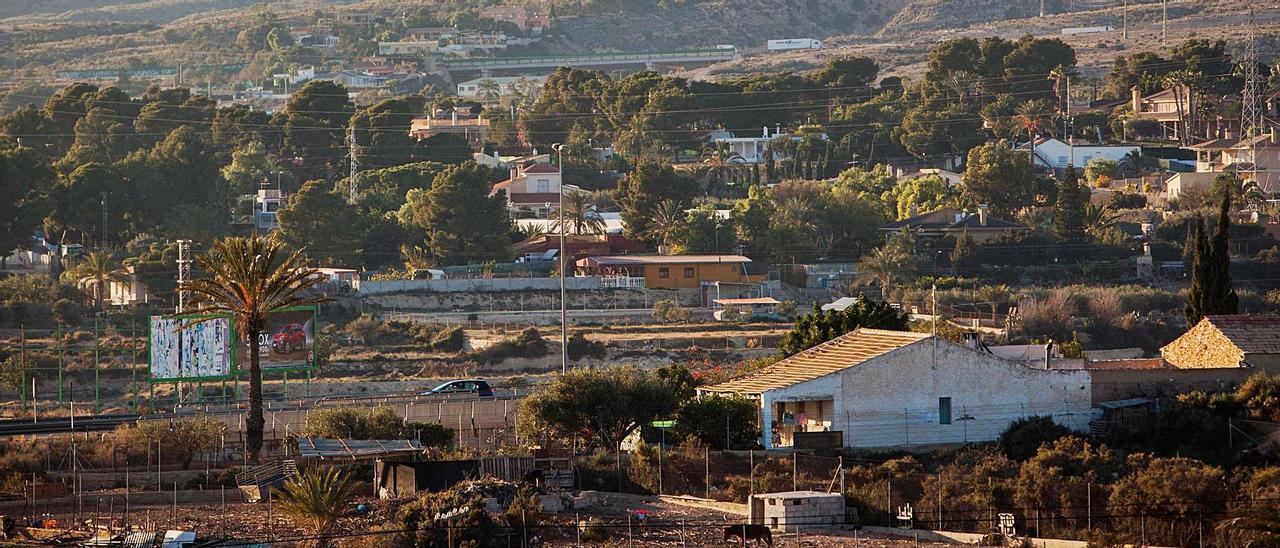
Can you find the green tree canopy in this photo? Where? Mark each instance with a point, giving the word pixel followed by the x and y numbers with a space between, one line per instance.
pixel 461 222
pixel 1000 177
pixel 319 220
pixel 821 326
pixel 602 405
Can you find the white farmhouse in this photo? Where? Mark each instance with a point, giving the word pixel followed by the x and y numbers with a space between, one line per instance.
pixel 878 389
pixel 1056 154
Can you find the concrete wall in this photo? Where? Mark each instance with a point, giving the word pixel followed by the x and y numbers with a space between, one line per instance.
pixel 893 400
pixel 478 284
pixel 792 513
pixel 1121 384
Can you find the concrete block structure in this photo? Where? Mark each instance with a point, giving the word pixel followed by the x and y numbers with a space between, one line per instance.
pixel 795 511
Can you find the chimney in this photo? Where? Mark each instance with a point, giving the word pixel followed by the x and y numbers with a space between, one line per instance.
pixel 515 172
pixel 982 214
pixel 1272 133
pixel 777 130
pixel 766 132
pixel 1048 355
pixel 454 116
pixel 1136 99
pixel 971 340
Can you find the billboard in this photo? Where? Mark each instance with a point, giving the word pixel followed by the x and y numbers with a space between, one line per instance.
pixel 182 348
pixel 287 343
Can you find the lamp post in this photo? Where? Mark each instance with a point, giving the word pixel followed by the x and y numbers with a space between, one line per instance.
pixel 564 324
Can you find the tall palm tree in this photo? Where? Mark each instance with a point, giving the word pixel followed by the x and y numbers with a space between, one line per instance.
pixel 721 162
pixel 316 499
pixel 97 270
pixel 1033 115
pixel 580 216
pixel 666 222
pixel 1254 525
pixel 884 265
pixel 248 279
pixel 1098 218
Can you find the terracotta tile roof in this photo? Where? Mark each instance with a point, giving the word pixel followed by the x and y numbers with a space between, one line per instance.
pixel 835 355
pixel 541 168
pixel 1251 334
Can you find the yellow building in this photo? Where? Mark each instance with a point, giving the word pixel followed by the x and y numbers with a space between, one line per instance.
pixel 673 271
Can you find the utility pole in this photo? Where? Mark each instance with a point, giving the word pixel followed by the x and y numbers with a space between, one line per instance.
pixel 1164 20
pixel 564 310
pixel 1125 25
pixel 1250 110
pixel 1042 9
pixel 355 167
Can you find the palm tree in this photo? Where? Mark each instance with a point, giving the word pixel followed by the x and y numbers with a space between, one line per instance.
pixel 721 162
pixel 488 90
pixel 666 222
pixel 580 216
pixel 249 278
pixel 1033 115
pixel 1256 525
pixel 98 270
pixel 316 498
pixel 884 266
pixel 1098 218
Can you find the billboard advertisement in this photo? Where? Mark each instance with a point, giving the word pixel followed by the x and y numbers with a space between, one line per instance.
pixel 287 343
pixel 182 348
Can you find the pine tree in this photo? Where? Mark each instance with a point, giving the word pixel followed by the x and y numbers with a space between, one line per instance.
pixel 1211 290
pixel 1068 213
pixel 963 256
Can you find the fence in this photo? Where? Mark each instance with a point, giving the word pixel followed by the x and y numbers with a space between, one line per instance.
pixel 576 283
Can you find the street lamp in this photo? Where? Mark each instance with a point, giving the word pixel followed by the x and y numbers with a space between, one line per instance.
pixel 564 324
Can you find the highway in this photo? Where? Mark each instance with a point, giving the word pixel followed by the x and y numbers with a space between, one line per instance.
pixel 545 62
pixel 475 420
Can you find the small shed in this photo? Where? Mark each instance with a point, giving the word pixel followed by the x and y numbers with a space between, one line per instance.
pixel 795 511
pixel 397 478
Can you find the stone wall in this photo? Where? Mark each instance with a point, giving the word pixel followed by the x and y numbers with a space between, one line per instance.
pixel 1202 346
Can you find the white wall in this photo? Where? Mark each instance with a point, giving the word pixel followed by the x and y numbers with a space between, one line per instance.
pixel 367 287
pixel 892 400
pixel 1059 153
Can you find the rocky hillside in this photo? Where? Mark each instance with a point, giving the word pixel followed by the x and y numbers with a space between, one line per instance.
pixel 744 23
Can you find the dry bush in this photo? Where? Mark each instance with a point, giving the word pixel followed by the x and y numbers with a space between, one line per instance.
pixel 1048 317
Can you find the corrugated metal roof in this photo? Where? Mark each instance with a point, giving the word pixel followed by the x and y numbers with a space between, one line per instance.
pixel 1252 334
pixel 323 448
pixel 751 300
pixel 835 355
pixel 637 260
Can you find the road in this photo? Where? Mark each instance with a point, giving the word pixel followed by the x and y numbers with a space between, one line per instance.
pixel 477 422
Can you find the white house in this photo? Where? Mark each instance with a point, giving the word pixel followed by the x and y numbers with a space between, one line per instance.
pixel 882 389
pixel 352 79
pixel 1057 154
pixel 751 149
pixel 505 84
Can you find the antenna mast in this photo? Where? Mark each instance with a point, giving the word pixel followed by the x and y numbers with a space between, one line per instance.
pixel 184 273
pixel 355 167
pixel 1250 110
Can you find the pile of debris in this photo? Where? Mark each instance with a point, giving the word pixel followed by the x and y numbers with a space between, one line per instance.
pixel 497 493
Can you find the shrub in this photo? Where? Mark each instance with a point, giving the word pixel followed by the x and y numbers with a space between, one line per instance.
pixel 449 340
pixel 1048 317
pixel 67 312
pixel 669 311
pixel 580 347
pixel 528 344
pixel 712 418
pixel 378 423
pixel 1023 437
pixel 417 525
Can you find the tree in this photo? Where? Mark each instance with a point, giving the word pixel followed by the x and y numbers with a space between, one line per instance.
pixel 720 422
pixel 249 168
pixel 1032 116
pixel 1211 291
pixel 320 220
pixel 998 176
pixel 1068 211
pixel 883 266
pixel 666 224
pixel 380 134
pixel 643 190
pixel 924 194
pixel 314 122
pixel 462 222
pixel 446 148
pixel 603 405
pixel 98 270
pixel 248 278
pixel 1057 480
pixel 821 326
pixel 963 256
pixel 580 216
pixel 1177 490
pixel 1023 437
pixel 316 498
pixel 25 183
pixel 705 231
pixel 1099 168
pixel 488 90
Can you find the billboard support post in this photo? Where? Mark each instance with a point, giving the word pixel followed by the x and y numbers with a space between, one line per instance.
pixel 62 346
pixel 97 356
pixel 284 384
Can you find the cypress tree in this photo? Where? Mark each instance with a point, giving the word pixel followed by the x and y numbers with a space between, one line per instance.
pixel 963 255
pixel 1068 211
pixel 1211 290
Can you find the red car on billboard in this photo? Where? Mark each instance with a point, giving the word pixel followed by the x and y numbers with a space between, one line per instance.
pixel 292 337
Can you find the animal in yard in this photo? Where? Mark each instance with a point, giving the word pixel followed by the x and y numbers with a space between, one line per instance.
pixel 534 478
pixel 748 532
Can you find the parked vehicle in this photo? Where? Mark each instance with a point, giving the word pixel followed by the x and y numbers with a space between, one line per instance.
pixel 289 339
pixel 475 387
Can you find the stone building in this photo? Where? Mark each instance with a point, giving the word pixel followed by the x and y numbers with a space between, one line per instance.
pixel 1226 342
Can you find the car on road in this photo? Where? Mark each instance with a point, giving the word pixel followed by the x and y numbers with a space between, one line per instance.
pixel 475 387
pixel 289 339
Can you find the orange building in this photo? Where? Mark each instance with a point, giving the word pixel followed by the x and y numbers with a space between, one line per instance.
pixel 673 271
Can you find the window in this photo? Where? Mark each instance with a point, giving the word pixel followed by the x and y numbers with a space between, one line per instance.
pixel 688 271
pixel 944 410
pixel 664 272
pixel 544 185
pixel 1062 160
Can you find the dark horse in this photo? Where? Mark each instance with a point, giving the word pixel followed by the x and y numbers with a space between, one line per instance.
pixel 747 532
